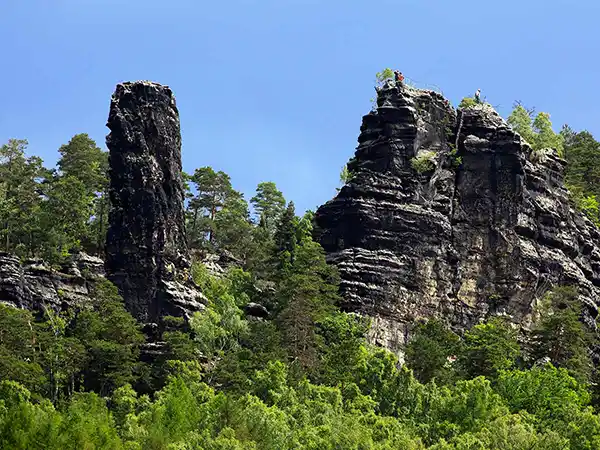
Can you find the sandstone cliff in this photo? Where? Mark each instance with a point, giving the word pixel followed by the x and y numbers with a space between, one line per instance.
pixel 452 214
pixel 146 252
pixel 34 285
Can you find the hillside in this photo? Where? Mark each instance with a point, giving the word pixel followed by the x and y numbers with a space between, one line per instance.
pixel 444 299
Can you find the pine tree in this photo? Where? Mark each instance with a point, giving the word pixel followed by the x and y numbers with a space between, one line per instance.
pixel 488 348
pixel 83 159
pixel 268 203
pixel 213 191
pixel 430 350
pixel 286 239
pixel 233 229
pixel 64 216
pixel 20 198
pixel 307 294
pixel 561 336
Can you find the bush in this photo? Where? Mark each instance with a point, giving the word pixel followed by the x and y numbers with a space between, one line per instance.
pixel 423 163
pixel 467 102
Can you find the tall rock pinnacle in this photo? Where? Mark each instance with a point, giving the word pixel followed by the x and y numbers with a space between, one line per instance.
pixel 452 215
pixel 146 251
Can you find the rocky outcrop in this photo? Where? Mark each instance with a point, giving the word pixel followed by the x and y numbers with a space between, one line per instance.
pixel 34 285
pixel 146 252
pixel 452 214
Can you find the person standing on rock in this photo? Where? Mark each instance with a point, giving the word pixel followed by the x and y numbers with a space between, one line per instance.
pixel 398 77
pixel 478 96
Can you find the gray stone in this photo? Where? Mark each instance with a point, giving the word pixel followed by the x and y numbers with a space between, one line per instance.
pixel 34 285
pixel 146 251
pixel 487 236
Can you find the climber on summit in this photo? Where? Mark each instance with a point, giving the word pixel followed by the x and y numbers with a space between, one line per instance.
pixel 478 96
pixel 398 77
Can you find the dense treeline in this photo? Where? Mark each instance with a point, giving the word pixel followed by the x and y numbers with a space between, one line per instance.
pixel 304 378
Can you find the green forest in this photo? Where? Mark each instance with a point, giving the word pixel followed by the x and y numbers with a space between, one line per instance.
pixel 306 378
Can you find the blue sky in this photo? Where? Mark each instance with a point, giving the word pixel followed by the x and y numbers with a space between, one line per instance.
pixel 274 90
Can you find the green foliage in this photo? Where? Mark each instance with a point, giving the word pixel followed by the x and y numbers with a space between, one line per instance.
pixel 20 201
pixel 520 120
pixel 112 339
pixel 545 137
pixel 587 204
pixel 268 204
pixel 536 131
pixel 64 216
pixel 384 75
pixel 582 176
pixel 343 352
pixel 431 351
pixel 467 102
pixel 305 377
pixel 81 158
pixel 456 160
pixel 219 327
pixel 488 348
pixel 424 162
pixel 561 336
pixel 346 175
pixel 213 191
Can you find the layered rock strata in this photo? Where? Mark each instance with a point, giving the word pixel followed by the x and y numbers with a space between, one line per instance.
pixel 146 252
pixel 451 214
pixel 34 285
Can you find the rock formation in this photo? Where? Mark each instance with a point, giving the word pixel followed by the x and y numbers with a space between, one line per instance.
pixel 35 285
pixel 146 252
pixel 452 214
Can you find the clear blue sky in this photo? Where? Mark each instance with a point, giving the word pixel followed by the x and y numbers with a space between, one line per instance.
pixel 274 90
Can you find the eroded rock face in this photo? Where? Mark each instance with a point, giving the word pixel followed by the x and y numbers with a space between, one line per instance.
pixel 34 285
pixel 484 226
pixel 147 256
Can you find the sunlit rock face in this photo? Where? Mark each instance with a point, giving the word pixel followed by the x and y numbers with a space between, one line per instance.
pixel 451 214
pixel 35 285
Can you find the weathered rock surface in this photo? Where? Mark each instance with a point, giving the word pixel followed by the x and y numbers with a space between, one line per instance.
pixel 486 227
pixel 34 285
pixel 147 256
pixel 256 310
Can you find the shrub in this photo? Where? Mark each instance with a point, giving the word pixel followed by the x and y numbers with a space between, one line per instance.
pixel 424 162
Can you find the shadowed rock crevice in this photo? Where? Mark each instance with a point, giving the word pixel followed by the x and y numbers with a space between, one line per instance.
pixel 146 251
pixel 452 216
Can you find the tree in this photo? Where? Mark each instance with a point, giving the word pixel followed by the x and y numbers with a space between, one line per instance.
pixel 582 151
pixel 537 132
pixel 213 191
pixel 383 76
pixel 64 216
pixel 220 326
pixel 112 339
pixel 232 227
pixel 488 348
pixel 83 159
pixel 304 296
pixel 520 120
pixel 268 203
pixel 285 238
pixel 430 351
pixel 561 336
pixel 20 358
pixel 19 198
pixel 545 136
pixel 343 337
